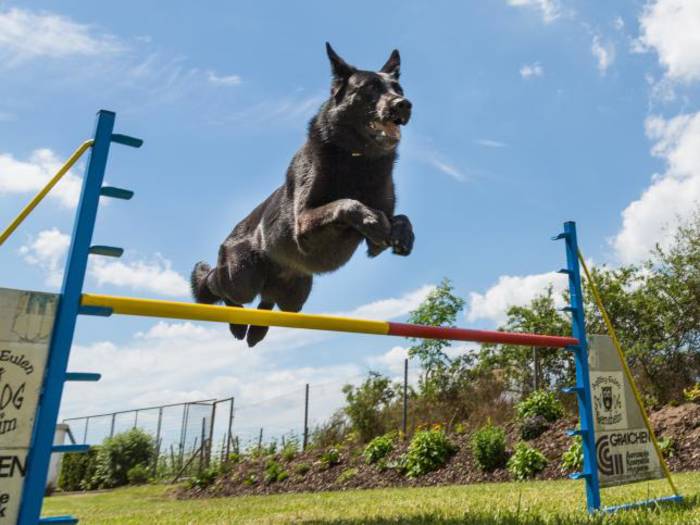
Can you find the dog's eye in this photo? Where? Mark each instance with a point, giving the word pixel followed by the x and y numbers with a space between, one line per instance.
pixel 396 87
pixel 375 85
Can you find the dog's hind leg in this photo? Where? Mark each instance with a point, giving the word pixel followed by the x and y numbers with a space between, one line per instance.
pixel 237 330
pixel 296 292
pixel 257 333
pixel 238 277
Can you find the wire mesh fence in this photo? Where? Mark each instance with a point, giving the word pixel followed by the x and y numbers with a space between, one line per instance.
pixel 192 435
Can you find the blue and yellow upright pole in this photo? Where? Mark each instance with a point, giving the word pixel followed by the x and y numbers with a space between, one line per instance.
pixel 583 384
pixel 64 326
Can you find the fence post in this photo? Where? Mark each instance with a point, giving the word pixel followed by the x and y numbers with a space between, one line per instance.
pixel 404 421
pixel 111 427
pixel 183 432
pixel 211 432
pixel 229 437
pixel 306 419
pixel 260 439
pixel 158 440
pixel 203 445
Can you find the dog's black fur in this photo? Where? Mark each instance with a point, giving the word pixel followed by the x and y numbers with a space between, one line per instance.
pixel 338 192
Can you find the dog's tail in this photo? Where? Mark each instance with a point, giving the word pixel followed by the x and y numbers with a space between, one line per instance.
pixel 198 282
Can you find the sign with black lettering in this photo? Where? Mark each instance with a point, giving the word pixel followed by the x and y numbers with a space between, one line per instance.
pixel 624 449
pixel 26 322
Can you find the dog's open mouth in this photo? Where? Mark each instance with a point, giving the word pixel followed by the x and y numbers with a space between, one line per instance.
pixel 385 130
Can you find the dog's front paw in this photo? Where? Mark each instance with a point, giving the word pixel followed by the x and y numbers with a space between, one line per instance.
pixel 375 249
pixel 376 228
pixel 401 238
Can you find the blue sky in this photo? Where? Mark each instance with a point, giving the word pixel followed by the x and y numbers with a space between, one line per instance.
pixel 527 113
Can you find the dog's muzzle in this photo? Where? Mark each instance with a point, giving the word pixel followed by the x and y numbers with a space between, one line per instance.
pixel 400 110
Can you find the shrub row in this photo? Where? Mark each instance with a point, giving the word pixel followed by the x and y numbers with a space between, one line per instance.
pixel 120 460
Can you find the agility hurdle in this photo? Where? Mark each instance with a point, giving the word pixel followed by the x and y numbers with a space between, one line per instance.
pixel 74 302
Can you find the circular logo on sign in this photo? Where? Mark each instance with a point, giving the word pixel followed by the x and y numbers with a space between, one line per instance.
pixel 607 399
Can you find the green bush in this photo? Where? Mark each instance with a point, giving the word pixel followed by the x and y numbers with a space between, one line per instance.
pixel 302 469
pixel 330 458
pixel 572 459
pixel 119 454
pixel 290 449
pixel 488 445
pixel 263 450
pixel 347 475
pixel 540 403
pixel 203 479
pixel 78 470
pixel 692 394
pixel 365 405
pixel 138 475
pixel 428 451
pixel 533 427
pixel 526 462
pixel 274 472
pixel 379 448
pixel 667 446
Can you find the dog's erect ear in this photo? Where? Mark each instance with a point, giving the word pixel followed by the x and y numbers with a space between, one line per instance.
pixel 392 65
pixel 341 69
pixel 341 72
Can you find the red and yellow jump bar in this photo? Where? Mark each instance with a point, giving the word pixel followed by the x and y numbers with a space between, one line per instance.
pixel 228 314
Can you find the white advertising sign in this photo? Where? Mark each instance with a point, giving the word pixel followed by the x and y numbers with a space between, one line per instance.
pixel 625 452
pixel 26 321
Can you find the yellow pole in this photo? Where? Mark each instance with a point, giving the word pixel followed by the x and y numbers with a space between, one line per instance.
pixel 39 196
pixel 628 373
pixel 229 314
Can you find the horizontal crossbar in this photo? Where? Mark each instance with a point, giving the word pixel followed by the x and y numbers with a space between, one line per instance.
pixel 230 314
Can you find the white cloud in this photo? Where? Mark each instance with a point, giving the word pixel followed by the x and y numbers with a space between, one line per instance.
pixel 549 9
pixel 155 276
pixel 531 70
pixel 392 360
pixel 182 361
pixel 26 35
pixel 488 143
pixel 619 23
pixel 604 52
pixel 448 169
pixel 670 27
pixel 512 291
pixel 392 307
pixel 291 108
pixel 671 196
pixel 223 80
pixel 48 252
pixel 19 177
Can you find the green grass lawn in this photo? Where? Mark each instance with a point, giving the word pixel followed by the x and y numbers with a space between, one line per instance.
pixel 542 502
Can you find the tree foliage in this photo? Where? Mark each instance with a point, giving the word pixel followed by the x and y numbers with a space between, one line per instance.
pixel 440 308
pixel 366 404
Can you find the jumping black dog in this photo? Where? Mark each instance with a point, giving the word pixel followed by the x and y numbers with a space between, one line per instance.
pixel 338 192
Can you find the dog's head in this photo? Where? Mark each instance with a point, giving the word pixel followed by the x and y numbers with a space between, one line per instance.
pixel 369 107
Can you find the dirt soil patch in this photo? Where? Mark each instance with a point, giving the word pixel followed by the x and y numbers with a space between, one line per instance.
pixel 680 423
